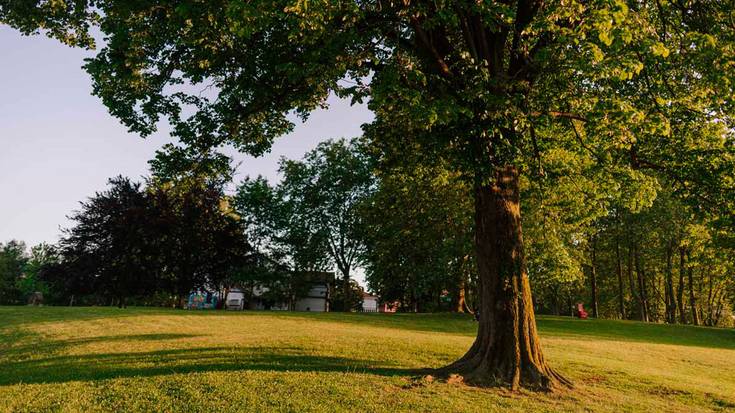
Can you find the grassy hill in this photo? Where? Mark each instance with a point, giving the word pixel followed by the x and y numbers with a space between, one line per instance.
pixel 105 359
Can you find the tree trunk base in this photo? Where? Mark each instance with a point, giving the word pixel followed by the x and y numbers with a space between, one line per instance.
pixel 481 370
pixel 507 350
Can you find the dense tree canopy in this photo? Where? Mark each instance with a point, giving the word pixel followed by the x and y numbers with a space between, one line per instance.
pixel 133 241
pixel 419 235
pixel 311 218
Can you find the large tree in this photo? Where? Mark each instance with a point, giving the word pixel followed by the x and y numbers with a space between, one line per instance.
pixel 475 80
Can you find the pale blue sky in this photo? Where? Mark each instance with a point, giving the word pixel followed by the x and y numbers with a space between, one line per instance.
pixel 58 144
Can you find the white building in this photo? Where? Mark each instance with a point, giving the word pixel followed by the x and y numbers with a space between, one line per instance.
pixel 316 299
pixel 369 303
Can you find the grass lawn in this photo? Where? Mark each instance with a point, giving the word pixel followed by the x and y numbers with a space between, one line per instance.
pixel 138 359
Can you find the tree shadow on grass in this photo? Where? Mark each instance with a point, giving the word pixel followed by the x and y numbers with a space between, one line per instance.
pixel 65 368
pixel 36 345
pixel 447 323
pixel 549 326
pixel 12 317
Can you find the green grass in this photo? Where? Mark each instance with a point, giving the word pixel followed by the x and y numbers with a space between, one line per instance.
pixel 106 359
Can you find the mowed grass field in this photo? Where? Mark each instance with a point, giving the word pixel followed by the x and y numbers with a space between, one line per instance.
pixel 139 359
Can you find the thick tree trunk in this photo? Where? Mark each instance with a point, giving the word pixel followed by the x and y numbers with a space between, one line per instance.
pixel 619 269
pixel 507 349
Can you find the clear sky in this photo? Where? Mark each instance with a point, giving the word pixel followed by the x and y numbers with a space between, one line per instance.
pixel 58 144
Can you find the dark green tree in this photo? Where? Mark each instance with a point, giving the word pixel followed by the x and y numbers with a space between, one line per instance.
pixel 40 255
pixel 109 244
pixel 419 236
pixel 13 260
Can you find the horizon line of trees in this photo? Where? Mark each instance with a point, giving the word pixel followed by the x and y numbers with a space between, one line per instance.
pixel 627 247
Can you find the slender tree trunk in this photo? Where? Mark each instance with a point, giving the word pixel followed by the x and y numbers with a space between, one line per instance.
pixel 507 348
pixel 346 289
pixel 636 295
pixel 593 277
pixel 670 300
pixel 619 269
pixel 460 302
pixel 680 288
pixel 692 298
pixel 631 281
pixel 718 311
pixel 642 293
pixel 710 300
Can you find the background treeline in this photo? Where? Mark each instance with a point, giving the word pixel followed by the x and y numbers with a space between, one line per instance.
pixel 132 243
pixel 627 244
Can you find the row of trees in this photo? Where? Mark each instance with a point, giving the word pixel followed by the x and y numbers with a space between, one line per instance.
pixel 20 270
pixel 154 243
pixel 631 247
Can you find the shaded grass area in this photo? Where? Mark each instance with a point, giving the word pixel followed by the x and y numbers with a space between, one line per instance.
pixel 632 331
pixel 143 359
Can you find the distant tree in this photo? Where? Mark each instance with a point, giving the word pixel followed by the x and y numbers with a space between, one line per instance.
pixel 349 298
pixel 277 226
pixel 289 247
pixel 41 255
pixel 171 236
pixel 201 238
pixel 324 190
pixel 419 236
pixel 12 263
pixel 110 244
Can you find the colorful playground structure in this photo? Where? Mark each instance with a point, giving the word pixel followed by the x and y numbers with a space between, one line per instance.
pixel 199 300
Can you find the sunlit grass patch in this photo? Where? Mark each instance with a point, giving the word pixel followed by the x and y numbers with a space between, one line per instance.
pixel 139 359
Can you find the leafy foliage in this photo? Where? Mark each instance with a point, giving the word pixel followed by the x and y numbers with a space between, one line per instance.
pixel 310 221
pixel 131 241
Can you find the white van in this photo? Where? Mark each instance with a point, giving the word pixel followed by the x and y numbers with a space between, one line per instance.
pixel 235 300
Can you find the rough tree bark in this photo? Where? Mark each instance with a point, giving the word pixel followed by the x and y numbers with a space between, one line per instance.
pixel 507 348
